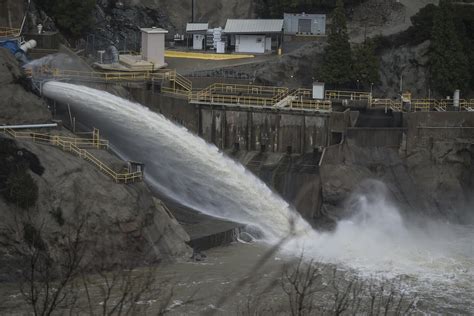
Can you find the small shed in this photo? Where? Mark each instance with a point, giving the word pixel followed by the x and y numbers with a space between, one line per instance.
pixel 318 91
pixel 305 24
pixel 153 46
pixel 254 36
pixel 197 31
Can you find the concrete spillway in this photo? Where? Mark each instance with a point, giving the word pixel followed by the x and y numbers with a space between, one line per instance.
pixel 187 169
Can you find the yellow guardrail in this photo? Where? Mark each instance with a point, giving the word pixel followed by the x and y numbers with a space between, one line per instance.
pixel 305 93
pixel 9 32
pixel 468 105
pixel 205 56
pixel 348 95
pixel 248 89
pixel 308 104
pixel 386 103
pixel 422 105
pixel 89 75
pixel 73 144
pixel 233 99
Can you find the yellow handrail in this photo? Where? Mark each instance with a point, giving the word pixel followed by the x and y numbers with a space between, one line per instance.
pixel 321 105
pixel 71 144
pixel 9 32
pixel 351 95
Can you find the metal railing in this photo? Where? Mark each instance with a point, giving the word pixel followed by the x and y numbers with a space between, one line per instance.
pixel 347 95
pixel 248 100
pixel 73 144
pixel 9 32
pixel 55 73
pixel 310 104
pixel 387 104
pixel 247 89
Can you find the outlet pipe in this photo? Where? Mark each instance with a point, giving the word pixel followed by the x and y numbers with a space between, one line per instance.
pixel 28 45
pixel 29 126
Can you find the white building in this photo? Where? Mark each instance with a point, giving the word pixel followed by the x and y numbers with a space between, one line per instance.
pixel 153 46
pixel 198 33
pixel 254 36
pixel 305 24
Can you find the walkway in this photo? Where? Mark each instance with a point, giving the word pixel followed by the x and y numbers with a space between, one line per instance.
pixel 171 82
pixel 76 146
pixel 205 56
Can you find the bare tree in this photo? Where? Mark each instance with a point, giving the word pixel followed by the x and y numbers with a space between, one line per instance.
pixel 300 282
pixel 125 289
pixel 308 292
pixel 46 280
pixel 74 277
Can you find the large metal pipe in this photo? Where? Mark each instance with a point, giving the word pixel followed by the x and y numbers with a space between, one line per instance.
pixel 29 126
pixel 28 45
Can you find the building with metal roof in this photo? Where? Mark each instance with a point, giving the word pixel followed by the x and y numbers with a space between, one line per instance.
pixel 253 26
pixel 254 36
pixel 198 33
pixel 197 27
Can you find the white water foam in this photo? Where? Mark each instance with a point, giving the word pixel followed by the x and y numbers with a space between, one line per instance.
pixel 186 168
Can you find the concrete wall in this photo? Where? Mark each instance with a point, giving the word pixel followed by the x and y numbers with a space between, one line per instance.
pixel 251 129
pixel 375 137
pixel 425 128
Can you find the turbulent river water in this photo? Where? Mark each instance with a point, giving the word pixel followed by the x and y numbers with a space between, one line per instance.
pixel 435 258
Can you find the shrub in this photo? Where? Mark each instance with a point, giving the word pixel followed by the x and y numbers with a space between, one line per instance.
pixel 21 189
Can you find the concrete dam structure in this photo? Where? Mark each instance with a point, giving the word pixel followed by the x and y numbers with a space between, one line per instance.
pixel 374 238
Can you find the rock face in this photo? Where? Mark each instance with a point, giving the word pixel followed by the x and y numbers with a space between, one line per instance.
pixel 18 106
pixel 118 22
pixel 124 218
pixel 408 64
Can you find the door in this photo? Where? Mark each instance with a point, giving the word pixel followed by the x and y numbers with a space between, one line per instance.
pixel 250 44
pixel 304 26
pixel 268 44
pixel 198 40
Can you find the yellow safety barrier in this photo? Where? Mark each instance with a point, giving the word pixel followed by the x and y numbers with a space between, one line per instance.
pixel 73 144
pixel 387 104
pixel 233 99
pixel 422 105
pixel 307 104
pixel 248 89
pixel 9 32
pixel 347 95
pixel 204 56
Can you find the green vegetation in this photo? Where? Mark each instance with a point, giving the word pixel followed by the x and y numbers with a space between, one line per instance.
pixel 21 189
pixel 72 17
pixel 17 186
pixel 449 65
pixel 450 28
pixel 366 64
pixel 337 67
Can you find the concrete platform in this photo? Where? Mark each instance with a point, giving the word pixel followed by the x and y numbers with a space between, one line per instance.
pixel 205 231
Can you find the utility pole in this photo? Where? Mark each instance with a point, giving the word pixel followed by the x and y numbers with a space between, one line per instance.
pixel 193 9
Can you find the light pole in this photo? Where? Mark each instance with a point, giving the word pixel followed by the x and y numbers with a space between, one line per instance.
pixel 371 88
